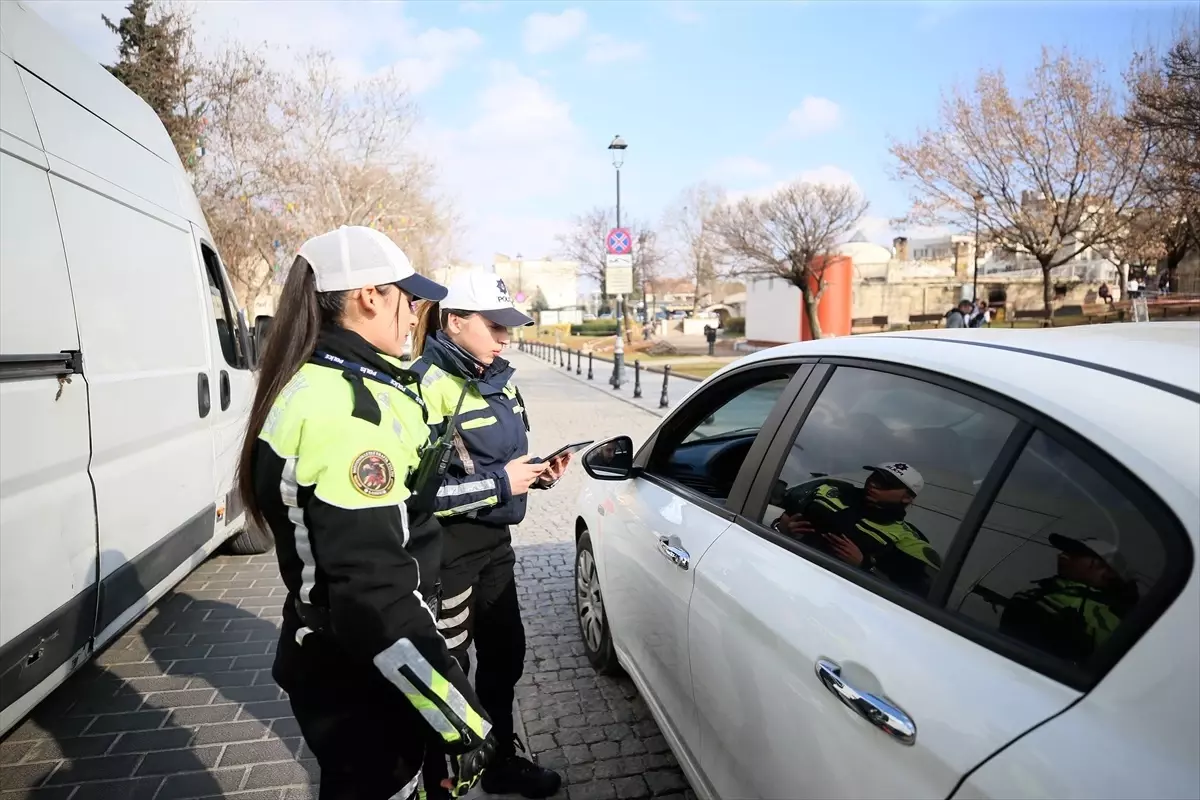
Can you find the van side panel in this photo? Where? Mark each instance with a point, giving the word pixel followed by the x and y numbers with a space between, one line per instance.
pixel 103 151
pixel 143 338
pixel 38 47
pixel 47 513
pixel 16 117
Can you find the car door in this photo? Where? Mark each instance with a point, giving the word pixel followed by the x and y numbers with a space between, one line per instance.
pixel 665 520
pixel 815 677
pixel 231 380
pixel 47 510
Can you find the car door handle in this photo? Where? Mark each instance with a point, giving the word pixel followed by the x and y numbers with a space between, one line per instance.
pixel 674 553
pixel 203 397
pixel 875 710
pixel 226 393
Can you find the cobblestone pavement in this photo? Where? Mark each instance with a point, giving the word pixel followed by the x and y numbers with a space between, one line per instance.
pixel 183 705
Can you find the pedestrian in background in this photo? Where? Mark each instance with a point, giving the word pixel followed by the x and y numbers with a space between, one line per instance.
pixel 336 433
pixel 960 315
pixel 458 345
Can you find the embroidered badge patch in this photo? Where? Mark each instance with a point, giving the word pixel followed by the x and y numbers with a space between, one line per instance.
pixel 373 474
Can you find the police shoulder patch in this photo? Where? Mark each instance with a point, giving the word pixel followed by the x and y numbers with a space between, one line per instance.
pixel 373 474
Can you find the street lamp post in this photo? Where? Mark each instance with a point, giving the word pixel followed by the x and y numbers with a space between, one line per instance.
pixel 975 272
pixel 617 148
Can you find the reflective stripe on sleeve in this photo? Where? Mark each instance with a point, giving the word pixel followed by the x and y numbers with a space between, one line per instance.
pixel 437 700
pixel 463 509
pixel 289 490
pixel 470 487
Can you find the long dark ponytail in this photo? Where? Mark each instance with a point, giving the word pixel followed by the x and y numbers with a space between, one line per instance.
pixel 431 319
pixel 429 322
pixel 301 312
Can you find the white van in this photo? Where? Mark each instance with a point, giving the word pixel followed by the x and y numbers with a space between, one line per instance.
pixel 125 366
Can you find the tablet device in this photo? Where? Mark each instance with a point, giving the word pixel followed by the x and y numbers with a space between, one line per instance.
pixel 571 448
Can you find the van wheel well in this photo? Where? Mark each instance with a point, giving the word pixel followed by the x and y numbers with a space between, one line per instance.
pixel 580 528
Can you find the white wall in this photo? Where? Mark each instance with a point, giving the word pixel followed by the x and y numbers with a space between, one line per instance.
pixel 772 311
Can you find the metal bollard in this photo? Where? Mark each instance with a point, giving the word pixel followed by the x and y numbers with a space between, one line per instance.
pixel 662 401
pixel 637 378
pixel 557 356
pixel 568 362
pixel 589 366
pixel 579 361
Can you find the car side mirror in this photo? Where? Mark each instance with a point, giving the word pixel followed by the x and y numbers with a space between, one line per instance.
pixel 611 460
pixel 262 327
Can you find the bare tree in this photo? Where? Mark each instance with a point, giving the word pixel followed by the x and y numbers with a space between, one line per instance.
pixel 293 155
pixel 694 238
pixel 1166 108
pixel 585 243
pixel 790 235
pixel 1050 174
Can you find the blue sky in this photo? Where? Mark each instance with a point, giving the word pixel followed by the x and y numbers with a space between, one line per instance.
pixel 519 99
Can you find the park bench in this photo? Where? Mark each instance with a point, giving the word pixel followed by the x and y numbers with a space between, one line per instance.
pixel 924 320
pixel 878 322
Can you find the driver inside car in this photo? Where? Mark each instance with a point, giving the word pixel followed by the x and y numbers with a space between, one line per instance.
pixel 865 527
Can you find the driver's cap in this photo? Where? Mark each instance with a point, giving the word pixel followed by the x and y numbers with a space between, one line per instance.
pixel 353 257
pixel 902 472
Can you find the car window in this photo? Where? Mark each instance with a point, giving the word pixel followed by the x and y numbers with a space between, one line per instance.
pixel 882 471
pixel 1062 556
pixel 715 430
pixel 222 309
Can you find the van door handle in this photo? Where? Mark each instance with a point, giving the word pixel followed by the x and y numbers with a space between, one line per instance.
pixel 669 547
pixel 203 394
pixel 874 709
pixel 226 394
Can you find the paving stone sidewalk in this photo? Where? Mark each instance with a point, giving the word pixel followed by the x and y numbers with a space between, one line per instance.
pixel 183 705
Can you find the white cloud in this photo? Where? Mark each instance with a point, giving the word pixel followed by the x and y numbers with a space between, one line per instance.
pixel 739 168
pixel 545 33
pixel 814 115
pixel 683 12
pixel 826 174
pixel 355 33
pixel 522 146
pixel 604 49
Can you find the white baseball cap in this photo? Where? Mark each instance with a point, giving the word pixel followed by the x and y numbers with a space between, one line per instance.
pixel 353 257
pixel 484 292
pixel 902 472
pixel 1105 550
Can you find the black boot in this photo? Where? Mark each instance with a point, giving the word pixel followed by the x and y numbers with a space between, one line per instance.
pixel 512 773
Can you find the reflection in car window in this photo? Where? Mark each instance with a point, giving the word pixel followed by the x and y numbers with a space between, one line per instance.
pixel 710 451
pixel 882 471
pixel 1061 558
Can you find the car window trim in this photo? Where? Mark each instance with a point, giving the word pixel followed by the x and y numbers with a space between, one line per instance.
pixel 1179 551
pixel 972 521
pixel 642 457
pixel 766 435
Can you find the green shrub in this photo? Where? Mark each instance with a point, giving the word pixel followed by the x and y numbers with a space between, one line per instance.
pixel 595 327
pixel 735 325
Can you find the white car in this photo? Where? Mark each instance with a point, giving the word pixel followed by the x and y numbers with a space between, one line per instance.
pixel 946 564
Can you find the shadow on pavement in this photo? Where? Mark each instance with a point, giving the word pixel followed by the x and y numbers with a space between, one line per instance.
pixel 180 706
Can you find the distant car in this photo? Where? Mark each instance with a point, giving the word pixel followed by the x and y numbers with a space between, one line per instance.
pixel 946 564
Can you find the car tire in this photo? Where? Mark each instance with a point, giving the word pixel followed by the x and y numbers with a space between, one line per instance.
pixel 250 541
pixel 589 610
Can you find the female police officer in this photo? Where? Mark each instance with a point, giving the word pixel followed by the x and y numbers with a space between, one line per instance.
pixel 335 432
pixel 458 344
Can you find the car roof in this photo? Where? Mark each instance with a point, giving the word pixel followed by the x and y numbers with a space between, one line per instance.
pixel 1161 354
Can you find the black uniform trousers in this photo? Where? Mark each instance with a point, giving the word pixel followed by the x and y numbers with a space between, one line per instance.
pixel 479 605
pixel 368 739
